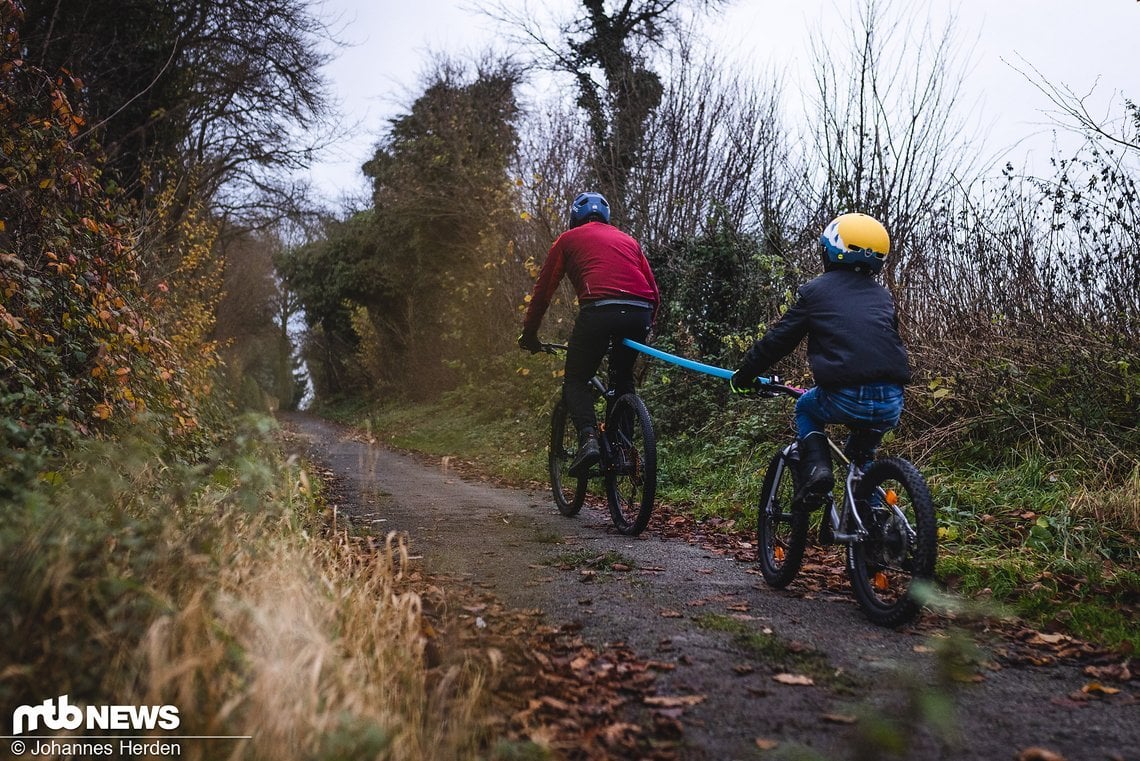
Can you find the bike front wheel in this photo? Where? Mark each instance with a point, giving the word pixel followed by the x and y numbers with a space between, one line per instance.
pixel 631 472
pixel 781 532
pixel 569 491
pixel 901 546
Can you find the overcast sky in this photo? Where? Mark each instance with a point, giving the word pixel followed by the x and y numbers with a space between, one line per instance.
pixel 1086 46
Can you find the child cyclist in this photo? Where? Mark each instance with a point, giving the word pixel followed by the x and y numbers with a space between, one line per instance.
pixel 858 359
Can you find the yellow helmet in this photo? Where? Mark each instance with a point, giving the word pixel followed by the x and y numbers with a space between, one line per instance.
pixel 856 240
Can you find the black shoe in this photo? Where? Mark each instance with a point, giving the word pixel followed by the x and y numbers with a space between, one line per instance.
pixel 588 455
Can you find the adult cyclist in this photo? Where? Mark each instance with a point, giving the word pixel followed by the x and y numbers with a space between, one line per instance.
pixel 617 298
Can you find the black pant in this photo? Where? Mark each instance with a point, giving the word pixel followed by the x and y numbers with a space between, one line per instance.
pixel 597 329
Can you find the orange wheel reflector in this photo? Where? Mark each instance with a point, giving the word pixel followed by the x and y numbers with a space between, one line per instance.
pixel 880 581
pixel 892 497
pixel 778 553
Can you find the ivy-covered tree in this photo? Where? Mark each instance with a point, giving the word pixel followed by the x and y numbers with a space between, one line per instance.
pixel 613 39
pixel 442 200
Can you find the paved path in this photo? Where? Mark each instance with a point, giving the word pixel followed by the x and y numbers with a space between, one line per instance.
pixel 677 600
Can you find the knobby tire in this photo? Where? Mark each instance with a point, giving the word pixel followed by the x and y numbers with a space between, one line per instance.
pixel 885 567
pixel 781 532
pixel 569 491
pixel 631 473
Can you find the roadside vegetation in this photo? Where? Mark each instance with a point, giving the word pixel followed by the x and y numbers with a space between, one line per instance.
pixel 156 547
pixel 222 588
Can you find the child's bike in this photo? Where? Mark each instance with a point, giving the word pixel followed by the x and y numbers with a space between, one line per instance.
pixel 885 517
pixel 628 461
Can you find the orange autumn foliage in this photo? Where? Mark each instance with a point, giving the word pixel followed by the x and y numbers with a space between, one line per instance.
pixel 83 346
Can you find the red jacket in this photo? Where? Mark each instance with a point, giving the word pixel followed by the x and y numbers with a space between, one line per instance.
pixel 602 263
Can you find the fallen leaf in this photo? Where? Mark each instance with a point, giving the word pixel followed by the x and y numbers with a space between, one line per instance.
pixel 796 679
pixel 667 613
pixel 1117 672
pixel 1039 754
pixel 674 701
pixel 1040 638
pixel 968 678
pixel 554 703
pixel 839 718
pixel 614 732
pixel 743 668
pixel 1092 687
pixel 764 743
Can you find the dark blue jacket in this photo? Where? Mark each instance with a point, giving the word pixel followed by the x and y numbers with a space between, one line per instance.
pixel 852 329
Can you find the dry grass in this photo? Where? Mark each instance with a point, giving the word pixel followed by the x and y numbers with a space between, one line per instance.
pixel 331 654
pixel 1117 505
pixel 241 610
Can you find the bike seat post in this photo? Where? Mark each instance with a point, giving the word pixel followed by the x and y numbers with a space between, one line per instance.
pixel 854 474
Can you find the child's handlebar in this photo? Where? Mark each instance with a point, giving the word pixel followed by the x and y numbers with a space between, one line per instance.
pixel 774 386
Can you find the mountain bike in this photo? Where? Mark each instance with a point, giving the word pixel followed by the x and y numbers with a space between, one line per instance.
pixel 885 517
pixel 628 461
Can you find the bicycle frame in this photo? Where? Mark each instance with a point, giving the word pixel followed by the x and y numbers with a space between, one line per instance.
pixel 603 392
pixel 627 458
pixel 847 515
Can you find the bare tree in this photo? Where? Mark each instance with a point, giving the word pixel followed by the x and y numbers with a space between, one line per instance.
pixel 715 154
pixel 888 133
pixel 229 92
pixel 1074 111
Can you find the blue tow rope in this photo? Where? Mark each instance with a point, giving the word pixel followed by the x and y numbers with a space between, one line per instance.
pixel 688 364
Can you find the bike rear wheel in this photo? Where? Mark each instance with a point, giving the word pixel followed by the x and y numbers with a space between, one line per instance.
pixel 781 532
pixel 901 546
pixel 569 491
pixel 631 470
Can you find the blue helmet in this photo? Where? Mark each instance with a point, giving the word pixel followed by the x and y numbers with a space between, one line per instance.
pixel 589 206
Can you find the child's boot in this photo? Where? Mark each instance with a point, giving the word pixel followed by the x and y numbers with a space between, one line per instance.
pixel 816 478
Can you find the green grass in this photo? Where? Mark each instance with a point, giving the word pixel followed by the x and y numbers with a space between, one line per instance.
pixel 590 560
pixel 778 653
pixel 512 448
pixel 1016 536
pixel 1035 537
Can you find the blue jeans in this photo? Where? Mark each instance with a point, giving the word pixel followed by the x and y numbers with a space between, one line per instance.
pixel 870 411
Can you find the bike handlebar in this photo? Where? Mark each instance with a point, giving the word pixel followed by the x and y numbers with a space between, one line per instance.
pixel 770 387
